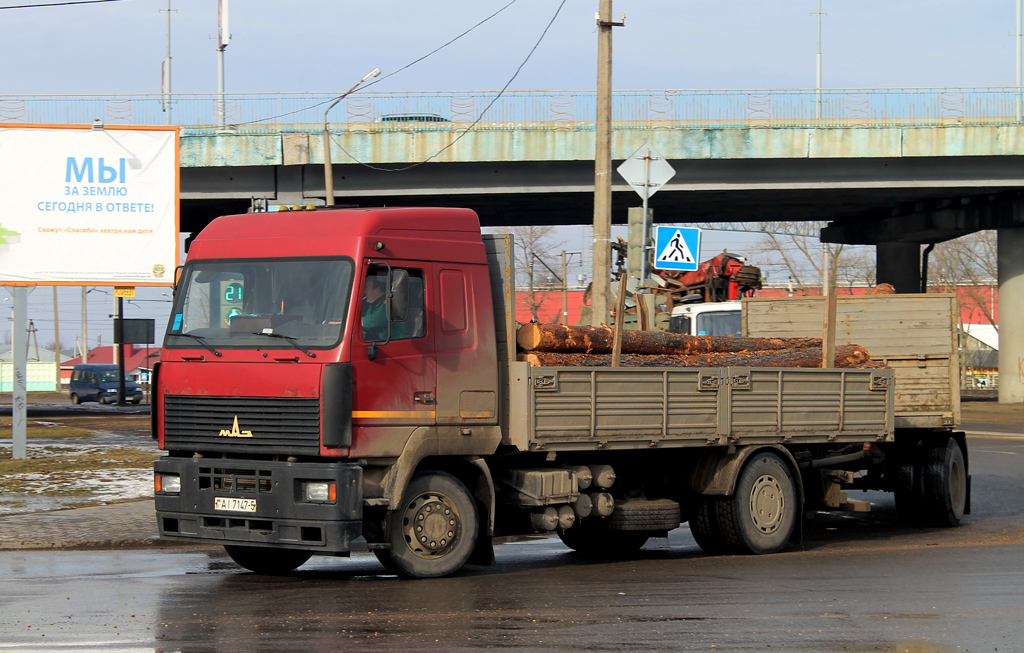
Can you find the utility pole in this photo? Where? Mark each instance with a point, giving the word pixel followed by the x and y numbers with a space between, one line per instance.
pixel 1019 29
pixel 565 293
pixel 165 69
pixel 599 313
pixel 56 339
pixel 223 37
pixel 817 83
pixel 85 334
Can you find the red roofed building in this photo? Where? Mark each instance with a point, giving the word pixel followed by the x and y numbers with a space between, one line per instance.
pixel 137 360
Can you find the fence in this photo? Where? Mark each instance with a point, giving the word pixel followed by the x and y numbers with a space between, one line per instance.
pixel 39 377
pixel 529 110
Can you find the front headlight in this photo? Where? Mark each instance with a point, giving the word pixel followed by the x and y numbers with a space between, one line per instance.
pixel 167 483
pixel 318 492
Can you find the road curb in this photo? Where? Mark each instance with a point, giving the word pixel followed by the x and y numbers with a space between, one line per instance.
pixel 65 545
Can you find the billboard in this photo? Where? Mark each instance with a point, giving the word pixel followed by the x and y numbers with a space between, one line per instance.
pixel 88 206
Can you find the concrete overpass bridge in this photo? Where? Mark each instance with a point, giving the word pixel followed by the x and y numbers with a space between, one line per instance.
pixel 892 168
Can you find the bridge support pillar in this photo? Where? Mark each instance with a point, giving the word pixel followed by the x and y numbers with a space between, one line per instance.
pixel 1011 313
pixel 900 265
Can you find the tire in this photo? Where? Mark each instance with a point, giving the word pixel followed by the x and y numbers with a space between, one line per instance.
pixel 591 537
pixel 269 562
pixel 75 400
pixel 945 484
pixel 644 515
pixel 761 514
pixel 137 400
pixel 909 495
pixel 434 531
pixel 705 529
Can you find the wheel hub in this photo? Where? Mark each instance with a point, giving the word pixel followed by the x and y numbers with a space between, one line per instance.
pixel 432 526
pixel 767 504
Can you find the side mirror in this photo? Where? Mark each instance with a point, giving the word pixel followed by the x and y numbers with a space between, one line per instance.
pixel 398 307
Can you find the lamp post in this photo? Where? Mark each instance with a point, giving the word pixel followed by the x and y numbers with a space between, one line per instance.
pixel 328 172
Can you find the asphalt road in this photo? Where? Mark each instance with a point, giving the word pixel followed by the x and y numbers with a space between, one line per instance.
pixel 859 583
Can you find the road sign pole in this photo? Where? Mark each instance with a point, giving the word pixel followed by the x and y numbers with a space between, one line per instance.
pixel 645 268
pixel 646 171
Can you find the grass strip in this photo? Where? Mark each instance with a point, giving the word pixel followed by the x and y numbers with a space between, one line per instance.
pixel 58 432
pixel 118 458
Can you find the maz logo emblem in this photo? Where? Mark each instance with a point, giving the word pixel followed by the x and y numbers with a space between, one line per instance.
pixel 234 432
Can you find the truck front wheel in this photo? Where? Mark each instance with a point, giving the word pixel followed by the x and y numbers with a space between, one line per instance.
pixel 434 531
pixel 761 514
pixel 267 561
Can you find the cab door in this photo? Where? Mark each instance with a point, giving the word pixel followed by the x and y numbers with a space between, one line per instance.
pixel 394 382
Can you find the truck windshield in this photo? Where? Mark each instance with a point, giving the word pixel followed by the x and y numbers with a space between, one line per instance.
pixel 238 303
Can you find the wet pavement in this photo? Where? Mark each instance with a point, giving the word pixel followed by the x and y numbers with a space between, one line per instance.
pixel 899 597
pixel 860 582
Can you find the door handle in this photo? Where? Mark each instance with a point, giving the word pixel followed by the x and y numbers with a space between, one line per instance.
pixel 423 399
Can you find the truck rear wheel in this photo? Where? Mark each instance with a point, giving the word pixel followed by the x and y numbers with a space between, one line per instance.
pixel 909 495
pixel 267 561
pixel 705 529
pixel 761 514
pixel 945 484
pixel 434 531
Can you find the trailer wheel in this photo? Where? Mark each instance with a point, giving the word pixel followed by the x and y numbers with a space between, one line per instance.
pixel 945 484
pixel 434 531
pixel 761 514
pixel 909 495
pixel 593 539
pixel 705 529
pixel 267 561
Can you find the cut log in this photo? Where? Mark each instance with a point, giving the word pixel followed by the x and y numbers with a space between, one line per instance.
pixel 846 356
pixel 599 340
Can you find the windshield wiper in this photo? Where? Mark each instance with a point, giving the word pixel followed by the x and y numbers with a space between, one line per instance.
pixel 201 341
pixel 289 339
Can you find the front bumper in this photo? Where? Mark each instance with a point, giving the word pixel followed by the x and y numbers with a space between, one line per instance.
pixel 281 518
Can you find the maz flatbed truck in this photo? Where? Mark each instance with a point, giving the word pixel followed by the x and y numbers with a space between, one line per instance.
pixel 301 415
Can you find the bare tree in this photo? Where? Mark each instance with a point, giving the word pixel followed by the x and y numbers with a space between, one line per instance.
pixel 795 247
pixel 969 264
pixel 537 254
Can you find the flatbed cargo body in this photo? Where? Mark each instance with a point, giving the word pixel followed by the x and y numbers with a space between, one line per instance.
pixel 342 380
pixel 572 409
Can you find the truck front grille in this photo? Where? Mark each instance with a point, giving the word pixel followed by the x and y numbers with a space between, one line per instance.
pixel 243 481
pixel 250 424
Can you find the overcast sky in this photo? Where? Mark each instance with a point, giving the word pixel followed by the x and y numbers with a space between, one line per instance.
pixel 326 45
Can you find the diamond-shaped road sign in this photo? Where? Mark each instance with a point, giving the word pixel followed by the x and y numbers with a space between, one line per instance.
pixel 646 170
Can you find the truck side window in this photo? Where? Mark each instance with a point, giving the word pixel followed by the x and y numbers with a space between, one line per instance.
pixel 373 316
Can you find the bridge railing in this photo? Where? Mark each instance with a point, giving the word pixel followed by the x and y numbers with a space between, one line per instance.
pixel 527 110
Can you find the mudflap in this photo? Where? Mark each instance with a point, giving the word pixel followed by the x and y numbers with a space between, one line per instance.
pixel 961 440
pixel 483 552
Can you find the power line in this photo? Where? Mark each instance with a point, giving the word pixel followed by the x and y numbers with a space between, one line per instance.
pixel 408 65
pixel 479 118
pixel 60 4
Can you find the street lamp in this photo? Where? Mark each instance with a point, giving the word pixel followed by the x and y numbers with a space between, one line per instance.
pixel 328 173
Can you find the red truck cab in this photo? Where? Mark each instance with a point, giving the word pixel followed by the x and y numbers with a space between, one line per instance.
pixel 286 397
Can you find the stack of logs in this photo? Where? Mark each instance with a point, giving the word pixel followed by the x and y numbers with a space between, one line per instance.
pixel 585 346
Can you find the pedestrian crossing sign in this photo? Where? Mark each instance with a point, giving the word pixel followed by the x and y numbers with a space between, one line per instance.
pixel 676 248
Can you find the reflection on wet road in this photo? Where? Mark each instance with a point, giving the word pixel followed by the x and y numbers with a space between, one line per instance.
pixel 860 583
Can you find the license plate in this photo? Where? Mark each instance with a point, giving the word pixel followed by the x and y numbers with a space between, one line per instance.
pixel 234 505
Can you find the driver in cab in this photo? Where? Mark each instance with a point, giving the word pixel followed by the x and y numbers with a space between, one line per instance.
pixel 375 318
